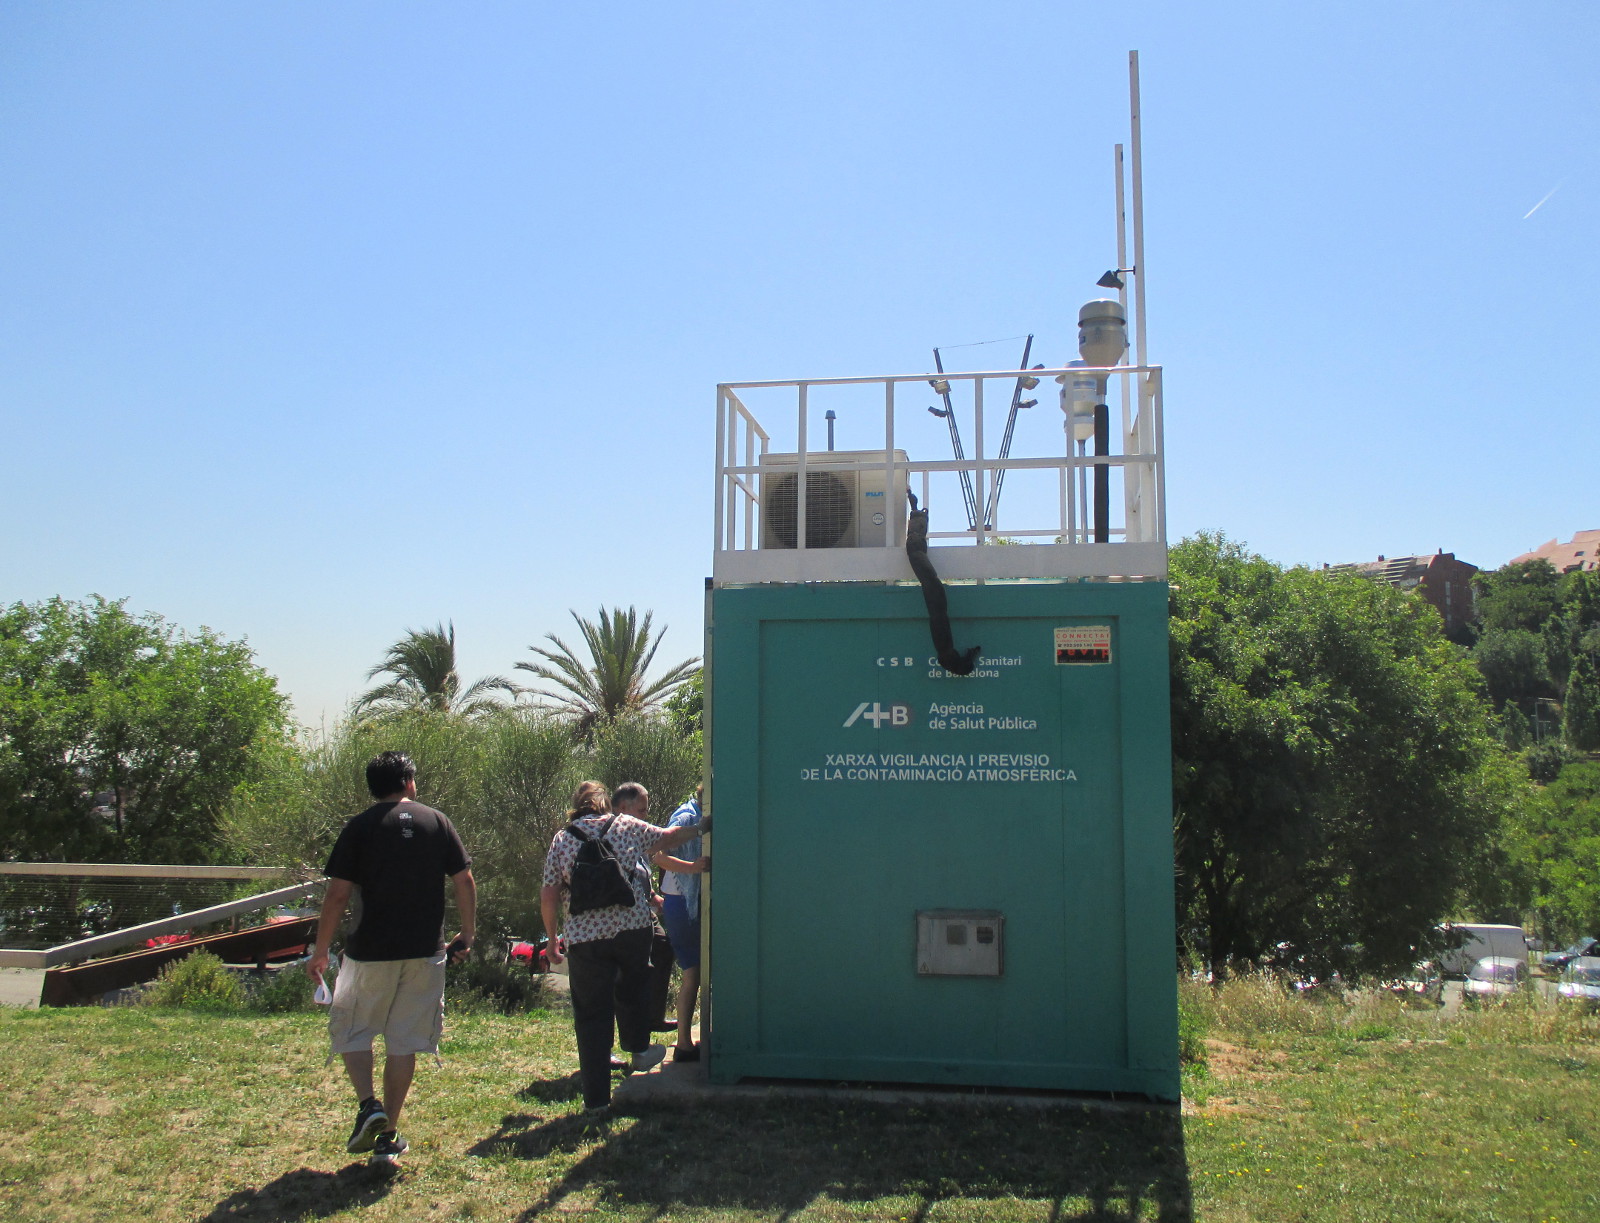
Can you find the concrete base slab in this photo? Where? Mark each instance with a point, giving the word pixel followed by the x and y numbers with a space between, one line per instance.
pixel 21 987
pixel 688 1084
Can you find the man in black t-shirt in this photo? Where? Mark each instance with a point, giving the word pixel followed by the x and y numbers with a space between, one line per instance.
pixel 388 867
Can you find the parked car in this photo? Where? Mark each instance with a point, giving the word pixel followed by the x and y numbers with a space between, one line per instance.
pixel 1467 943
pixel 1557 960
pixel 1496 976
pixel 1424 983
pixel 1581 981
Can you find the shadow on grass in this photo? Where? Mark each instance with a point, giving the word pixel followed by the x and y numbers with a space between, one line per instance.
pixel 776 1158
pixel 305 1193
pixel 553 1091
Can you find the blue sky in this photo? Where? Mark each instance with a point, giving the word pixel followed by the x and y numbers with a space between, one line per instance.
pixel 325 321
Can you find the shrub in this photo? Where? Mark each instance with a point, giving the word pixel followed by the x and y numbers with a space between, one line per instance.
pixel 659 757
pixel 284 989
pixel 503 779
pixel 530 768
pixel 1194 1021
pixel 1546 760
pixel 490 980
pixel 1262 1002
pixel 199 981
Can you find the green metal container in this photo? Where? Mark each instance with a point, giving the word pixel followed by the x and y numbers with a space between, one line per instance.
pixel 925 878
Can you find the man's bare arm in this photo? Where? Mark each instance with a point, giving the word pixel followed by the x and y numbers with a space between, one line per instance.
pixel 334 902
pixel 467 907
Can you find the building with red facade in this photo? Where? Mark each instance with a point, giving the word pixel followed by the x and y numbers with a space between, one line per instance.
pixel 1440 579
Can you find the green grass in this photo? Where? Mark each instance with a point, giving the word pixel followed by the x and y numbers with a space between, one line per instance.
pixel 1297 1111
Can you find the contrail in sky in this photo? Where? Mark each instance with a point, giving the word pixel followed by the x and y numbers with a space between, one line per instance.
pixel 1543 202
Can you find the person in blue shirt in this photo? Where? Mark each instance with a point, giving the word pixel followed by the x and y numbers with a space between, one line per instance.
pixel 681 869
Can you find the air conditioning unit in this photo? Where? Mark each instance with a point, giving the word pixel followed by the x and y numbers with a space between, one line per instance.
pixel 847 505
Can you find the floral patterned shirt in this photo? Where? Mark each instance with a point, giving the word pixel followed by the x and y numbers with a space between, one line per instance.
pixel 633 841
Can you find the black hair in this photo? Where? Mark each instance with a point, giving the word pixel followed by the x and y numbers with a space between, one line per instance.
pixel 388 772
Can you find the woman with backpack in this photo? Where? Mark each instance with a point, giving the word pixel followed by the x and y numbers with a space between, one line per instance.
pixel 598 868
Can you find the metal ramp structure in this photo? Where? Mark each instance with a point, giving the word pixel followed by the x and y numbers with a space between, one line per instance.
pixel 81 971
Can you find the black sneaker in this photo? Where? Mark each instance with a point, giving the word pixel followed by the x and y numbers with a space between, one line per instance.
pixel 389 1148
pixel 370 1122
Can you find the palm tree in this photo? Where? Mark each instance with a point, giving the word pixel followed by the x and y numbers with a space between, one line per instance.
pixel 612 683
pixel 423 664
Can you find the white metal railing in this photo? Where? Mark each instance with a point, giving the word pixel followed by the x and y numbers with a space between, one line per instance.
pixel 1057 531
pixel 99 944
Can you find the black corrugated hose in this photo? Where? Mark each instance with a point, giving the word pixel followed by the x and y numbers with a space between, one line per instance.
pixel 957 662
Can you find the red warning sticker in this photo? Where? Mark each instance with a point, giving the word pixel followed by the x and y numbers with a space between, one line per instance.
pixel 1082 644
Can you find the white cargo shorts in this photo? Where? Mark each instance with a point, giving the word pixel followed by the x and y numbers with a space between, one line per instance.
pixel 402 1000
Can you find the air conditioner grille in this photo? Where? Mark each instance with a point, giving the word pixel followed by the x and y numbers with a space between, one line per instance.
pixel 830 509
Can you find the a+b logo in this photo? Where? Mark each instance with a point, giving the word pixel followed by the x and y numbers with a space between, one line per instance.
pixel 871 711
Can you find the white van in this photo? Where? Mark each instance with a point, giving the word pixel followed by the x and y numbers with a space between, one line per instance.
pixel 1480 943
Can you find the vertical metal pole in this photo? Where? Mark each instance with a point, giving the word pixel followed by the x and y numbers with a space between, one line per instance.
pixel 1083 495
pixel 732 452
pixel 1122 262
pixel 1131 481
pixel 1158 447
pixel 716 519
pixel 800 475
pixel 1072 483
pixel 977 445
pixel 749 508
pixel 1067 493
pixel 1136 144
pixel 892 510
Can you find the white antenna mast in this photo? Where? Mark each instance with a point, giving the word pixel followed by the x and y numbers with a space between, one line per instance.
pixel 1138 207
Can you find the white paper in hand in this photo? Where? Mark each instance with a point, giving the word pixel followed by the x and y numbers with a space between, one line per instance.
pixel 324 995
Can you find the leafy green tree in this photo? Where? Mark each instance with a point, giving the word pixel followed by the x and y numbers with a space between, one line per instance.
pixel 1335 772
pixel 1539 636
pixel 1559 641
pixel 1500 880
pixel 614 681
pixel 122 737
pixel 1515 732
pixel 1580 714
pixel 422 665
pixel 1514 666
pixel 1559 842
pixel 1521 596
pixel 686 706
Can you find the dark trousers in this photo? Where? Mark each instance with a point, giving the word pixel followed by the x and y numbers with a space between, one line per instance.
pixel 661 962
pixel 610 980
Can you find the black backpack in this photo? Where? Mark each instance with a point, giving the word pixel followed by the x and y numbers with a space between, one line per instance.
pixel 598 879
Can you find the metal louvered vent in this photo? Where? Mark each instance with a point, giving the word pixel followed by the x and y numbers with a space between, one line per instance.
pixel 830 509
